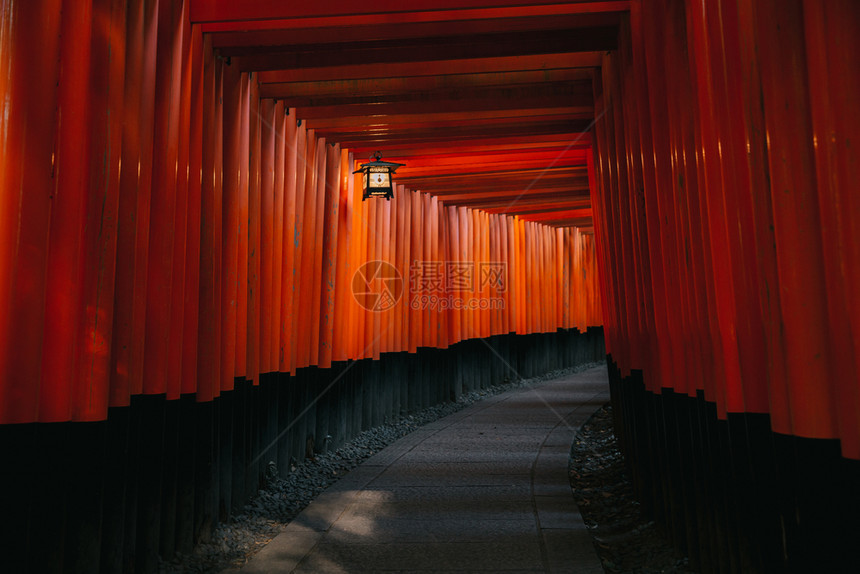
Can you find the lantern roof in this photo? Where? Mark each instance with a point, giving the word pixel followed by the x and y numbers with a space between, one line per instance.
pixel 377 162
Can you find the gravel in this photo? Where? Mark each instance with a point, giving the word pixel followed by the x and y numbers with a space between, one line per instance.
pixel 625 540
pixel 233 543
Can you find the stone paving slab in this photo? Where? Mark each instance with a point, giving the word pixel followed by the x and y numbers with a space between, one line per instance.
pixel 482 490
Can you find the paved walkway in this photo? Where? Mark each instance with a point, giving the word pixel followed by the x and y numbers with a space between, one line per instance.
pixel 482 490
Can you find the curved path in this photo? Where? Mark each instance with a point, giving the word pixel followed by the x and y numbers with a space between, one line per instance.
pixel 482 490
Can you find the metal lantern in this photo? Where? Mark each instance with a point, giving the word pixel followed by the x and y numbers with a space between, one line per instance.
pixel 376 177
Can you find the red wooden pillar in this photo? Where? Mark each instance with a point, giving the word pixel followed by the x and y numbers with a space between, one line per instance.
pixel 163 202
pixel 247 124
pixel 832 33
pixel 66 255
pixel 182 70
pixel 343 264
pixel 254 222
pixel 190 329
pixel 209 325
pixel 278 237
pixel 307 233
pixel 232 95
pixel 268 130
pixel 331 242
pixel 107 80
pixel 293 179
pixel 127 213
pixel 321 161
pixel 796 219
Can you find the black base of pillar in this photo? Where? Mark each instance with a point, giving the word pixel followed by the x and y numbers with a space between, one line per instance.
pixel 732 494
pixel 157 476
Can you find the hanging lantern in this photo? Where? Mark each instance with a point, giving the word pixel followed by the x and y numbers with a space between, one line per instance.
pixel 376 177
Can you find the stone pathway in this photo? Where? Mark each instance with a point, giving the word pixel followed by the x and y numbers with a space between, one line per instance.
pixel 483 490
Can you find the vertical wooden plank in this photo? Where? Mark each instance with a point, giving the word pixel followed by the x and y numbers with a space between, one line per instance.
pixel 355 257
pixel 65 269
pixel 415 339
pixel 278 238
pixel 163 202
pixel 307 233
pixel 268 129
pixel 388 228
pixel 399 246
pixel 232 126
pixel 343 264
pixel 127 216
pixel 460 255
pixel 363 330
pixel 319 231
pixel 175 337
pixel 108 81
pixel 372 327
pixel 832 36
pixel 330 247
pixel 244 297
pixel 144 175
pixel 255 181
pixel 30 45
pixel 796 217
pixel 209 319
pixel 455 324
pixel 293 177
pixel 190 343
pixel 406 215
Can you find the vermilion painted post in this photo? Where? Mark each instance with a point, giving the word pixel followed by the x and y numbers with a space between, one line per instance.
pixel 278 239
pixel 190 344
pixel 634 191
pixel 65 269
pixel 832 44
pixel 293 176
pixel 163 204
pixel 455 321
pixel 432 254
pixel 601 223
pixel 182 74
pixel 511 287
pixel 232 126
pixel 374 253
pixel 208 351
pixel 398 260
pixel 144 196
pixel 343 265
pixel 406 264
pixel 357 251
pixel 462 254
pixel 268 123
pixel 307 235
pixel 331 241
pixel 316 293
pixel 443 249
pixel 426 255
pixel 244 316
pixel 127 225
pixel 680 127
pixel 796 220
pixel 494 255
pixel 486 326
pixel 658 116
pixel 107 99
pixel 384 238
pixel 617 211
pixel 365 255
